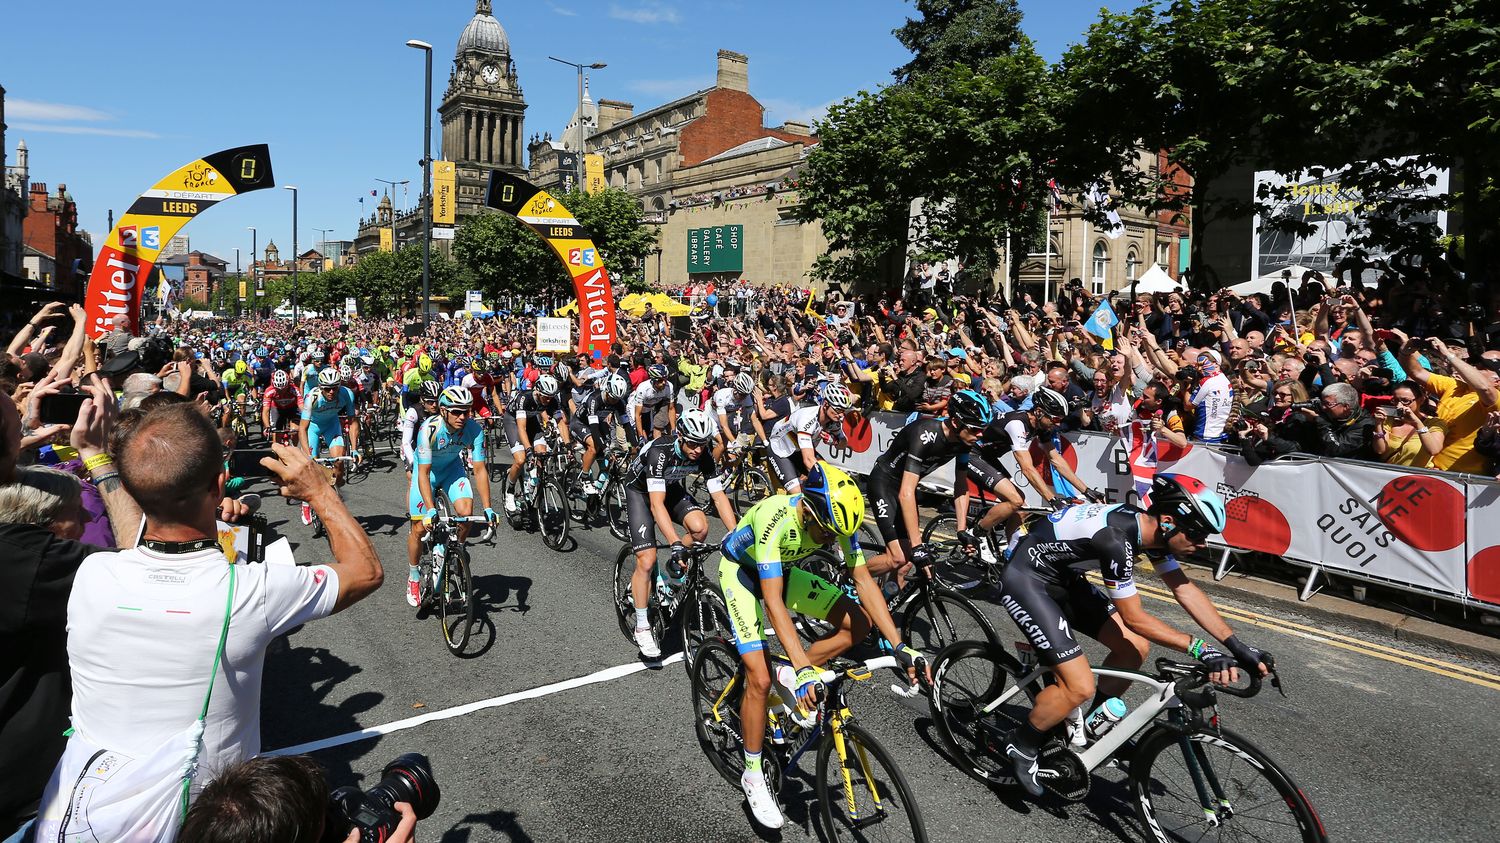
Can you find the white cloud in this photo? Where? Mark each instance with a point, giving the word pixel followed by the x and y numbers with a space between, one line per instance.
pixel 18 109
pixel 649 12
pixel 670 88
pixel 63 129
pixel 779 111
pixel 567 13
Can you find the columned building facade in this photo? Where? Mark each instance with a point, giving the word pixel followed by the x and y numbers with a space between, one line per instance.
pixel 483 110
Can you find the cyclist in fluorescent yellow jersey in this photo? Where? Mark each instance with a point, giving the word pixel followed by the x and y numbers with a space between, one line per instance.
pixel 785 529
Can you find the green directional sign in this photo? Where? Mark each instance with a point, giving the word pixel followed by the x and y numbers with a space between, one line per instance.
pixel 720 248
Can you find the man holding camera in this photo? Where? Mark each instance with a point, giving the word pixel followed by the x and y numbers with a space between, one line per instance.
pixel 1464 402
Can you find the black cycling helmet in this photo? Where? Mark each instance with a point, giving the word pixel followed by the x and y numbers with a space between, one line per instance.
pixel 657 371
pixel 1049 402
pixel 968 408
pixel 1195 508
pixel 431 390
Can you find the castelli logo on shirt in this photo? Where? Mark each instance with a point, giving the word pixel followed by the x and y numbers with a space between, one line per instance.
pixel 165 577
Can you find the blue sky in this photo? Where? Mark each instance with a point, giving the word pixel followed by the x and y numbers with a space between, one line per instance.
pixel 111 97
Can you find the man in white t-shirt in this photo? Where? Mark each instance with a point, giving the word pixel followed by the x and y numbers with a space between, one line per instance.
pixel 144 623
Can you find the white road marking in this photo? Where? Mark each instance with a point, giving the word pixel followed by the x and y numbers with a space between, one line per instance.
pixel 609 674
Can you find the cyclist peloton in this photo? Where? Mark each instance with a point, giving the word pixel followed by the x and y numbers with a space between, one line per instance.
pixel 655 500
pixel 756 565
pixel 794 439
pixel 1045 592
pixel 525 420
pixel 734 406
pixel 442 441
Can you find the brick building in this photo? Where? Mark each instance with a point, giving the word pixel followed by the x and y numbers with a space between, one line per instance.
pixel 51 228
pixel 202 273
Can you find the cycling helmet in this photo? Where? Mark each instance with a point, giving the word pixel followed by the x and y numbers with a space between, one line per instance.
pixel 695 426
pixel 340 345
pixel 546 385
pixel 424 364
pixel 837 397
pixel 478 363
pixel 408 349
pixel 968 408
pixel 430 390
pixel 241 366
pixel 367 359
pixel 279 379
pixel 543 361
pixel 1049 402
pixel 456 396
pixel 657 371
pixel 833 500
pixel 1195 508
pixel 328 377
pixel 743 383
pixel 345 373
pixel 616 387
pixel 317 354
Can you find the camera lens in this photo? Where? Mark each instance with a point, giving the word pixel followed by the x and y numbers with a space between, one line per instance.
pixel 409 779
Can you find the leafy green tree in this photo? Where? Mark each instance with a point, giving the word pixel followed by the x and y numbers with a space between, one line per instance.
pixel 613 219
pixel 503 256
pixel 950 32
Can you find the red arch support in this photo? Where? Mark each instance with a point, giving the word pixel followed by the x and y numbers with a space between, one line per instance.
pixel 546 216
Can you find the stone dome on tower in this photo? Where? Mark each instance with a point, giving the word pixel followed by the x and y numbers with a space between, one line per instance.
pixel 483 32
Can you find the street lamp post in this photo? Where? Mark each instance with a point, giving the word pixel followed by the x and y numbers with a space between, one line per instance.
pixel 323 235
pixel 583 136
pixel 254 256
pixel 237 277
pixel 426 197
pixel 296 302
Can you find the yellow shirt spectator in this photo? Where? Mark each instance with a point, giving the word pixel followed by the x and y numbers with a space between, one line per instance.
pixel 1462 414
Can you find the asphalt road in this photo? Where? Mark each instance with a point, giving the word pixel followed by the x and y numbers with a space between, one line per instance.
pixel 1388 743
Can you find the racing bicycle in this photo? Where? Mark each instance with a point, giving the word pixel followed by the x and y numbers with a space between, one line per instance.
pixel 695 603
pixel 1190 777
pixel 446 581
pixel 861 792
pixel 543 495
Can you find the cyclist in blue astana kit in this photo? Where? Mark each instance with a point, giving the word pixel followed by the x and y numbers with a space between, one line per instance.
pixel 1044 591
pixel 321 410
pixel 442 441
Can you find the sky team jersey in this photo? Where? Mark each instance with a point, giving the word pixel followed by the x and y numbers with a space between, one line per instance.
pixel 801 429
pixel 1106 535
pixel 660 463
pixel 325 412
pixel 441 447
pixel 770 534
pixel 1213 399
pixel 920 448
pixel 1007 434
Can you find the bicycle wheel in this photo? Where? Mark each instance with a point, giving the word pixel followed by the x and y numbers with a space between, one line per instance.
pixel 624 603
pixel 616 509
pixel 966 678
pixel 1216 786
pixel 717 684
pixel 703 618
pixel 936 617
pixel 750 488
pixel 456 603
pixel 941 533
pixel 862 794
pixel 552 513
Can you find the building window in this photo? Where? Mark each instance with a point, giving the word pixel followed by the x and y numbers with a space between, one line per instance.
pixel 658 171
pixel 1164 254
pixel 1132 265
pixel 1101 260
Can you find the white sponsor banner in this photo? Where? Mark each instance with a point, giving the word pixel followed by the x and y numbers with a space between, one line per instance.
pixel 443 232
pixel 351 307
pixel 1425 530
pixel 553 334
pixel 474 301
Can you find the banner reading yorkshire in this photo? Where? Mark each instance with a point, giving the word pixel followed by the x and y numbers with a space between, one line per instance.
pixel 547 217
pixel 444 192
pixel 126 259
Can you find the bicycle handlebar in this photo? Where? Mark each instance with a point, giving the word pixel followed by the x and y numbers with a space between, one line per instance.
pixel 1200 674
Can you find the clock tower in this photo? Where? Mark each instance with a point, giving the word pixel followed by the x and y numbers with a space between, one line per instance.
pixel 483 110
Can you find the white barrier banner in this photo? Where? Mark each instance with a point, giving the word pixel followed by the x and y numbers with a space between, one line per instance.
pixel 1371 520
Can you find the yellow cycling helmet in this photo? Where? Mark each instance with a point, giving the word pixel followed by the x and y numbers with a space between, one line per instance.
pixel 240 367
pixel 424 364
pixel 833 500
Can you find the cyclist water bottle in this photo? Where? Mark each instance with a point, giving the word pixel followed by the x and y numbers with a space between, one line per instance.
pixel 1109 712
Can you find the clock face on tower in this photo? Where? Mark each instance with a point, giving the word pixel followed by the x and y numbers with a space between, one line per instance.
pixel 490 73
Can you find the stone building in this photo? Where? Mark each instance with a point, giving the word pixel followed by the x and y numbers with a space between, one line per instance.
pixel 14 191
pixel 51 227
pixel 703 161
pixel 482 115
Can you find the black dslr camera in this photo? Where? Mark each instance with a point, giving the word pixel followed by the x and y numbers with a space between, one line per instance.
pixel 407 779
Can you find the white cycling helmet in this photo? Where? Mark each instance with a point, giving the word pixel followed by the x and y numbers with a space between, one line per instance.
pixel 430 390
pixel 837 397
pixel 547 385
pixel 279 380
pixel 345 372
pixel 744 383
pixel 456 396
pixel 695 426
pixel 616 387
pixel 328 377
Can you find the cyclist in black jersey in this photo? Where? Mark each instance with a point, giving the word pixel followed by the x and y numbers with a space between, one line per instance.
pixel 1014 433
pixel 594 422
pixel 525 418
pixel 918 449
pixel 655 499
pixel 1044 591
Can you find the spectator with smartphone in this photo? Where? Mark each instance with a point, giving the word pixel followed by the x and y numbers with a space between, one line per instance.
pixel 1404 435
pixel 1464 402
